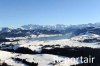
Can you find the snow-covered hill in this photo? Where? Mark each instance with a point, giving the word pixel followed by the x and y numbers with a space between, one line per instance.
pixel 38 52
pixel 90 38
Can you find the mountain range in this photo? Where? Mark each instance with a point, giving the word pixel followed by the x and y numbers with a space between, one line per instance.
pixel 27 30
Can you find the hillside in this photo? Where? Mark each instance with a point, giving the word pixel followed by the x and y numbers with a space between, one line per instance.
pixel 50 47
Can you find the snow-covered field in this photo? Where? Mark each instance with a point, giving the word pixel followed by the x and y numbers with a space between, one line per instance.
pixel 36 45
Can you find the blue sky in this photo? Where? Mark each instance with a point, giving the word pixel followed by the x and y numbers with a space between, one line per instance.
pixel 14 13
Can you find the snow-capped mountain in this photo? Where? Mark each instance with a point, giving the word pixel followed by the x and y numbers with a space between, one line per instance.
pixel 63 28
pixel 6 29
pixel 74 30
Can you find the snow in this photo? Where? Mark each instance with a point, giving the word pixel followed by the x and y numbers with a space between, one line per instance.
pixel 45 59
pixel 41 59
pixel 36 45
pixel 87 36
pixel 6 57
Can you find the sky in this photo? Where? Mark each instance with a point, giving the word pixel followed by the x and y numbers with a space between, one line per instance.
pixel 14 13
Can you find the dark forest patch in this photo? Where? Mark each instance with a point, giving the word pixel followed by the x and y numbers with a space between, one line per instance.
pixel 76 52
pixel 4 64
pixel 25 62
pixel 24 50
